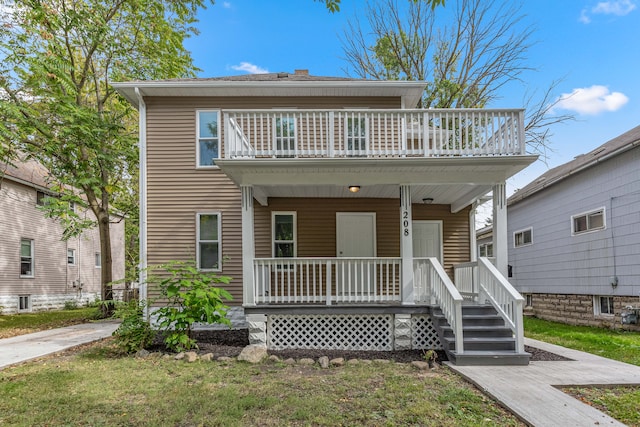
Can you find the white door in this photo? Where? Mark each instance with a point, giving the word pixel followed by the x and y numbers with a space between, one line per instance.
pixel 427 239
pixel 355 238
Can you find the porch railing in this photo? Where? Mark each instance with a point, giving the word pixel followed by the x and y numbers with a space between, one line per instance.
pixel 444 293
pixel 326 280
pixel 373 133
pixel 503 296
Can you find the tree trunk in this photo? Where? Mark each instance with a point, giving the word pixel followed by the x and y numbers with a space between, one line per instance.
pixel 106 263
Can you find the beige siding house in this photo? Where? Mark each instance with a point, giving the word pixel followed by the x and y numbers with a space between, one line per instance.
pixel 39 270
pixel 343 214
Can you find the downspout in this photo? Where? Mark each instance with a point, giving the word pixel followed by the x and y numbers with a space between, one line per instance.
pixel 142 146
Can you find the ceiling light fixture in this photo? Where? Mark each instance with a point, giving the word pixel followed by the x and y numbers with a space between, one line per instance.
pixel 354 188
pixel 427 200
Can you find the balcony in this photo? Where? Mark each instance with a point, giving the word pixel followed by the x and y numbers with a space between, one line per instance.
pixel 360 133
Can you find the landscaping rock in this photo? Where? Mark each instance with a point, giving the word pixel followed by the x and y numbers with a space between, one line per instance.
pixel 290 361
pixel 207 357
pixel 191 356
pixel 353 362
pixel 179 356
pixel 142 353
pixel 423 366
pixel 253 354
pixel 324 362
pixel 225 359
pixel 306 361
pixel 383 361
pixel 338 361
pixel 274 358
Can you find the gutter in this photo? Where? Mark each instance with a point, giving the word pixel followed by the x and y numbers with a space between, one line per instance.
pixel 580 169
pixel 142 146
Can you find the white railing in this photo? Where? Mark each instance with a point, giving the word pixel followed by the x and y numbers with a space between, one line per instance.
pixel 504 297
pixel 444 293
pixel 326 280
pixel 373 133
pixel 464 276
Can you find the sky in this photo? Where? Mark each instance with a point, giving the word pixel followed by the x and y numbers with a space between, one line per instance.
pixel 590 47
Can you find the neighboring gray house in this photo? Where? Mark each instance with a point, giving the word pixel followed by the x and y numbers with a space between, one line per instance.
pixel 39 270
pixel 574 232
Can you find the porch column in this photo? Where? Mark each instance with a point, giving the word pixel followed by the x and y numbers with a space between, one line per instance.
pixel 473 250
pixel 248 245
pixel 406 244
pixel 500 238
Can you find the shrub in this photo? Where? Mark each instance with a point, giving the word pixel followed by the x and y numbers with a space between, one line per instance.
pixel 71 304
pixel 134 333
pixel 191 297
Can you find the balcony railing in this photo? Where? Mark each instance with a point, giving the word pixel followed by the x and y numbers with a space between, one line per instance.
pixel 373 133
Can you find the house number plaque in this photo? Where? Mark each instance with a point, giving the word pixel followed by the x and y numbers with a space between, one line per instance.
pixel 405 222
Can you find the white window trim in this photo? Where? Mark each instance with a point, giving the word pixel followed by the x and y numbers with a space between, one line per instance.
pixel 97 260
pixel 219 215
pixel 273 231
pixel 33 259
pixel 282 153
pixel 522 231
pixel 198 165
pixel 73 256
pixel 358 116
pixel 27 298
pixel 485 246
pixel 597 305
pixel 586 214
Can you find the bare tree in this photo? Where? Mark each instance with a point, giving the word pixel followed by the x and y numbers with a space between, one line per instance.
pixel 465 56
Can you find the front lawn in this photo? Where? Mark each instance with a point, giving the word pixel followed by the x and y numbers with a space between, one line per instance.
pixel 18 324
pixel 98 388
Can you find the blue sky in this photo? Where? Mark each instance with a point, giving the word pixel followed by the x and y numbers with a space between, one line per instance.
pixel 591 46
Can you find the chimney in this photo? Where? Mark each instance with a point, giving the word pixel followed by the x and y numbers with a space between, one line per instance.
pixel 301 72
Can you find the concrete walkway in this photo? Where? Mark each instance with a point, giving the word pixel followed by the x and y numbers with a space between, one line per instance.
pixel 31 346
pixel 531 391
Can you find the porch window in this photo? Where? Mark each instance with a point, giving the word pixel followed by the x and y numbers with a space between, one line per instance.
pixel 285 130
pixel 209 252
pixel 208 144
pixel 522 238
pixel 486 250
pixel 71 256
pixel 357 137
pixel 589 221
pixel 603 305
pixel 26 258
pixel 284 234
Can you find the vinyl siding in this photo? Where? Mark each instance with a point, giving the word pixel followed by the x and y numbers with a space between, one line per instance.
pixel 21 219
pixel 557 261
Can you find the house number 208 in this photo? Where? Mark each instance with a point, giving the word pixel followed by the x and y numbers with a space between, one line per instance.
pixel 405 222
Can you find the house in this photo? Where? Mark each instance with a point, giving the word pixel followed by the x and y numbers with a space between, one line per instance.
pixel 484 240
pixel 575 238
pixel 38 269
pixel 341 212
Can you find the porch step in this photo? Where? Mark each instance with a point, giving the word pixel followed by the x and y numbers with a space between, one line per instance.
pixel 487 340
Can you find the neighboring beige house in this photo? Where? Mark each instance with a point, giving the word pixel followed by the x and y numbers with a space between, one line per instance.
pixel 342 212
pixel 39 270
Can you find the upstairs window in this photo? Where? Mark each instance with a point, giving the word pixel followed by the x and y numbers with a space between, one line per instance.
pixel 209 252
pixel 41 198
pixel 357 137
pixel 522 238
pixel 208 144
pixel 589 221
pixel 285 136
pixel 26 258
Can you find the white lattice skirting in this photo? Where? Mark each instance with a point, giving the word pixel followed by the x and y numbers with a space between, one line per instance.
pixel 345 332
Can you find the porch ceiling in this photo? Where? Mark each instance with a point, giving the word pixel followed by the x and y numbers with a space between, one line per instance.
pixel 454 181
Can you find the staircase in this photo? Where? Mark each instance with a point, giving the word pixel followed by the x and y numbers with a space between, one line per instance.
pixel 487 339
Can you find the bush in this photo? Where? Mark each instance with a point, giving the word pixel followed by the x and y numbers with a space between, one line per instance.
pixel 134 333
pixel 71 304
pixel 191 297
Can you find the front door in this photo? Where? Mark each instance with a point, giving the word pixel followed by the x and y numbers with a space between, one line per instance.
pixel 355 238
pixel 427 239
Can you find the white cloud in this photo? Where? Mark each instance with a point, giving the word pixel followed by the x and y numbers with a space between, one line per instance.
pixel 611 7
pixel 591 100
pixel 249 68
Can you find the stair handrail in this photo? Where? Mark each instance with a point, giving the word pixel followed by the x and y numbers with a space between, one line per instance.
pixel 503 297
pixel 448 298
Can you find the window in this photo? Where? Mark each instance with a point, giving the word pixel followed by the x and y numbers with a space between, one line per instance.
pixel 24 303
pixel 209 253
pixel 72 206
pixel 26 258
pixel 98 260
pixel 357 134
pixel 522 238
pixel 528 300
pixel 486 250
pixel 208 147
pixel 285 127
pixel 71 256
pixel 603 305
pixel 589 221
pixel 284 234
pixel 40 198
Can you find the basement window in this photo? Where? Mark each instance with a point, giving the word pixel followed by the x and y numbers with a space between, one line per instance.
pixel 603 306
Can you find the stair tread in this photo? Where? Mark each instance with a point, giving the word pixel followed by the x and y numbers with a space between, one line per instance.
pixel 490 339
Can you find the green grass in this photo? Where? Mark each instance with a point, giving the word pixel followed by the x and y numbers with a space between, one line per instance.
pixel 24 323
pixel 100 389
pixel 618 345
pixel 621 402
